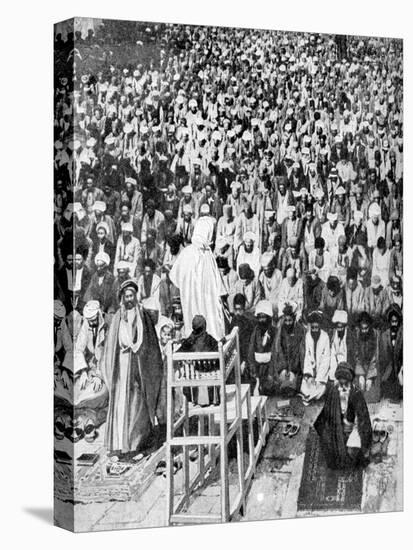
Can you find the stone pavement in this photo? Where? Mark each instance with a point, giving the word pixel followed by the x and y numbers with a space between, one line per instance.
pixel 274 489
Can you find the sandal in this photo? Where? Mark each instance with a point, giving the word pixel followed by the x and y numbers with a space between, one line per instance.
pixel 90 431
pixel 160 468
pixel 193 455
pixel 59 428
pixel 383 435
pixel 294 430
pixel 288 428
pixel 74 432
pixel 376 430
pixel 176 467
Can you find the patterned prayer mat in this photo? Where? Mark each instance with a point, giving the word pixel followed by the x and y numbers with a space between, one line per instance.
pixel 325 489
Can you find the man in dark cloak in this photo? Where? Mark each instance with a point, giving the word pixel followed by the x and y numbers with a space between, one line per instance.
pixel 344 425
pixel 199 341
pixel 132 370
pixel 391 355
pixel 289 350
pixel 261 353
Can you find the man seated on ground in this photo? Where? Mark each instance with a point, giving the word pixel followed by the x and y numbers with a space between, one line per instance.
pixel 245 326
pixel 261 365
pixel 101 284
pixel 291 290
pixel 344 425
pixel 270 279
pixel 366 358
pixel 249 286
pixel 391 355
pixel 316 360
pixel 289 350
pixel 342 342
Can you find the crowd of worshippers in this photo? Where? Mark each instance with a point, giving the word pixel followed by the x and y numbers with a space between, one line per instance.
pixel 293 154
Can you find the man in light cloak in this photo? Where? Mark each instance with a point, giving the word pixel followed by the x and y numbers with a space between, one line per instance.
pixel 132 370
pixel 199 280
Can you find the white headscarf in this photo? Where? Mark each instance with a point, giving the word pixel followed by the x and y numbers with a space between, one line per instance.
pixel 203 232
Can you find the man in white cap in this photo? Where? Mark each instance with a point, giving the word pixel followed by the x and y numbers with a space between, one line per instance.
pixel 261 356
pixel 90 344
pixel 316 360
pixel 270 279
pixel 247 222
pixel 375 226
pixel 236 199
pixel 342 343
pixel 341 206
pixel 185 225
pixel 186 200
pixel 291 290
pixel 101 283
pixel 283 199
pixel 127 249
pixel 249 253
pixel 98 216
pixel 331 231
pixel 320 206
pixel 101 243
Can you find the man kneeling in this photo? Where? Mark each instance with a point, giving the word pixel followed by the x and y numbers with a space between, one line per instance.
pixel 344 425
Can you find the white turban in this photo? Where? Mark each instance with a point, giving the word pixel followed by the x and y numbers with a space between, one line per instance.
pixel 103 225
pixel 103 257
pixel 91 309
pixel 127 226
pixel 249 236
pixel 203 232
pixel 265 307
pixel 266 259
pixel 340 316
pixel 59 309
pixel 374 210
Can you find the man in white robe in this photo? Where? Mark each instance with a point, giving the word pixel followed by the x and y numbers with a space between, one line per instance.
pixel 316 360
pixel 132 370
pixel 195 273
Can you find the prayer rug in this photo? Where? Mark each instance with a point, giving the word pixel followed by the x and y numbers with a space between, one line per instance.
pixel 325 489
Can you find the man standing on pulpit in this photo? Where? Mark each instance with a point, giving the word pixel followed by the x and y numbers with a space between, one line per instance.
pixel 132 370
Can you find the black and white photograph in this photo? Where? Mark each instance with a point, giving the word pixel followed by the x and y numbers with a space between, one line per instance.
pixel 228 274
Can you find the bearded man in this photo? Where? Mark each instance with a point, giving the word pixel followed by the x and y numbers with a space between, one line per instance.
pixel 289 350
pixel 132 370
pixel 344 425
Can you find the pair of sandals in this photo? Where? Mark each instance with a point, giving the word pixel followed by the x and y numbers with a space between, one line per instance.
pixel 291 429
pixel 66 427
pixel 75 431
pixel 160 469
